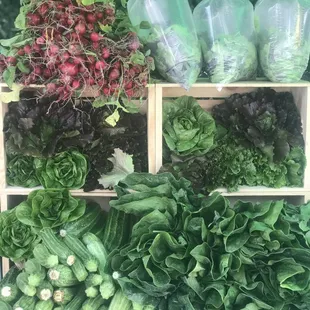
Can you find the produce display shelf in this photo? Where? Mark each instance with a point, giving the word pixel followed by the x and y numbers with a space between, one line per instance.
pixel 207 95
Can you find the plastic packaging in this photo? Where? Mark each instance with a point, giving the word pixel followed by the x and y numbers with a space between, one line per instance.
pixel 227 34
pixel 167 29
pixel 284 38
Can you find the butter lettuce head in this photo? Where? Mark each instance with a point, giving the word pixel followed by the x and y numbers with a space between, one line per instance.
pixel 17 240
pixel 21 172
pixel 65 170
pixel 187 128
pixel 50 208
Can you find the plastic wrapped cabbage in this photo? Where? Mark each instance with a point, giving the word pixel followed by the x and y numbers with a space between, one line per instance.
pixel 284 38
pixel 227 36
pixel 167 29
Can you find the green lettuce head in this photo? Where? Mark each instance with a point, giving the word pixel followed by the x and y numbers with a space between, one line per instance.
pixel 187 128
pixel 17 240
pixel 65 170
pixel 21 172
pixel 50 208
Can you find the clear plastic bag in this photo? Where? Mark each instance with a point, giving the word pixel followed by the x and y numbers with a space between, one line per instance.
pixel 167 29
pixel 284 38
pixel 227 34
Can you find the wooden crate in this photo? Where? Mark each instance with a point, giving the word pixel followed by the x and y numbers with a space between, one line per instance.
pixel 208 95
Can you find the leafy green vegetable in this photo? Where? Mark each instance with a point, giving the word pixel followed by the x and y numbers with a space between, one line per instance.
pixel 21 172
pixel 65 170
pixel 230 59
pixel 231 165
pixel 187 128
pixel 288 66
pixel 193 252
pixel 17 240
pixel 50 208
pixel 267 119
pixel 156 258
pixel 177 54
pixel 44 130
pixel 122 166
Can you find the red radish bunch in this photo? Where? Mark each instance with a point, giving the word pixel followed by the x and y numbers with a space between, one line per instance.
pixel 69 52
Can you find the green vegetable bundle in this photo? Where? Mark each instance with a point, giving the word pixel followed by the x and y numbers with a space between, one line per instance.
pixel 193 252
pixel 257 141
pixel 230 59
pixel 67 146
pixel 163 247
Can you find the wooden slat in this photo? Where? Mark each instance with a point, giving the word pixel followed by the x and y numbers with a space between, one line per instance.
pixel 302 99
pixel 248 191
pixel 20 191
pixel 159 127
pixel 258 83
pixel 211 92
pixel 3 109
pixel 5 266
pixel 151 132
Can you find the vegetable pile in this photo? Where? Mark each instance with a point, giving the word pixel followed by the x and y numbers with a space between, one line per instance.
pixel 161 247
pixel 226 60
pixel 62 264
pixel 256 140
pixel 176 53
pixel 70 146
pixel 69 46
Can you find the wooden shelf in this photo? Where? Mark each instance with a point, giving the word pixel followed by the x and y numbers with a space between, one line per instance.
pixel 247 191
pixel 208 95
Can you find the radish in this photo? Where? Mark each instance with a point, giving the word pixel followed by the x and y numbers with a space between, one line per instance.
pixel 33 19
pixel 105 53
pixel 47 73
pixel 90 81
pixel 91 18
pixel 109 12
pixel 99 15
pixel 65 56
pixel 129 93
pixel 129 85
pixel 106 91
pixel 36 47
pixel 117 65
pixel 69 69
pixel 51 87
pixel 37 71
pixel 76 84
pixel 54 49
pixel 78 60
pixel 90 27
pixel 91 59
pixel 114 74
pixel 80 28
pixel 95 37
pixel 11 60
pixel 100 65
pixel 43 9
pixel 95 45
pixel 27 49
pixel 75 49
pixel 40 40
pixel 21 52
